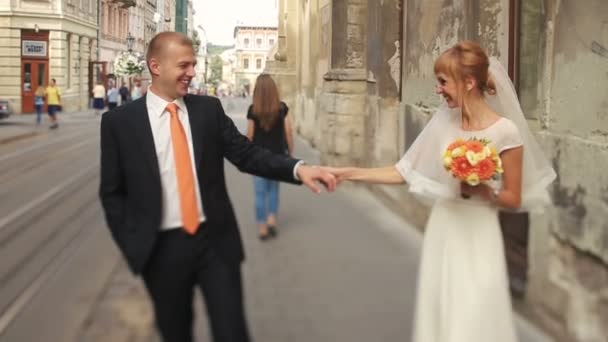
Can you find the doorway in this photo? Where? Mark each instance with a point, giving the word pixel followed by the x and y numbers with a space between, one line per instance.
pixel 34 74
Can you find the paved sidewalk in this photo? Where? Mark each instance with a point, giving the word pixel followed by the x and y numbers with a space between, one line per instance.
pixel 342 269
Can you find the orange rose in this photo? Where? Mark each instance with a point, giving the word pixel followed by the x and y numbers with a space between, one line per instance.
pixel 461 168
pixel 474 145
pixel 456 144
pixel 486 169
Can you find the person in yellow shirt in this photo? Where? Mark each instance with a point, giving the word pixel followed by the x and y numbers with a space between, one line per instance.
pixel 53 98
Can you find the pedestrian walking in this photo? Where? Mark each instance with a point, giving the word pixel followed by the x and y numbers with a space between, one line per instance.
pixel 136 92
pixel 39 103
pixel 268 127
pixel 164 194
pixel 463 290
pixel 99 95
pixel 53 100
pixel 124 93
pixel 113 96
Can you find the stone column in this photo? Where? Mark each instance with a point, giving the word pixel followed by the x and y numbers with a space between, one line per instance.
pixel 344 96
pixel 83 73
pixel 283 67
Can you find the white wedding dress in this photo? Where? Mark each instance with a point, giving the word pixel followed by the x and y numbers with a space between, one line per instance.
pixel 463 293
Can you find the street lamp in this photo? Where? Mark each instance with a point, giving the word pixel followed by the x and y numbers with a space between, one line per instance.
pixel 130 41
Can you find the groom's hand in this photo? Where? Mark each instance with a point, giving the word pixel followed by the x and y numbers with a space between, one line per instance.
pixel 310 175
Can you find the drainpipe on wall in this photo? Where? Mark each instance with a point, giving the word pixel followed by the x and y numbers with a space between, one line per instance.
pixel 98 27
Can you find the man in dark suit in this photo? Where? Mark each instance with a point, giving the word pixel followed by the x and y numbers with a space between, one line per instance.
pixel 164 193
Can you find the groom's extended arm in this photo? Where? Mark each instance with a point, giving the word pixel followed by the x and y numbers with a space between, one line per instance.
pixel 249 158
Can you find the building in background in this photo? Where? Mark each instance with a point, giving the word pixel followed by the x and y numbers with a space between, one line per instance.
pixel 150 10
pixel 43 40
pixel 228 66
pixel 137 25
pixel 201 59
pixel 165 15
pixel 190 20
pixel 252 44
pixel 181 16
pixel 114 30
pixel 363 91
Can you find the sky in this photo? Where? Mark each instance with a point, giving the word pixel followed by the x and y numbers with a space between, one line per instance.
pixel 218 17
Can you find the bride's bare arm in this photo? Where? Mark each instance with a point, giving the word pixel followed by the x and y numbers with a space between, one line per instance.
pixel 381 175
pixel 512 163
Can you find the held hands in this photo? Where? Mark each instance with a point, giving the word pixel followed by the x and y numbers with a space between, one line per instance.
pixel 310 175
pixel 341 173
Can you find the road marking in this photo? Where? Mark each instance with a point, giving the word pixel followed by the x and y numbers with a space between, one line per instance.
pixel 45 196
pixel 19 303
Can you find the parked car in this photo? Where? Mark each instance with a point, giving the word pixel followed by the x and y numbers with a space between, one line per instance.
pixel 5 109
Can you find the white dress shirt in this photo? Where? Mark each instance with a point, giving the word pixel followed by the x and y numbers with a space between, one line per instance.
pixel 160 122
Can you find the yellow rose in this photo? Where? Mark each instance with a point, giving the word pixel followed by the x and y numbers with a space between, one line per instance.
pixel 447 162
pixel 486 152
pixel 473 179
pixel 458 152
pixel 474 158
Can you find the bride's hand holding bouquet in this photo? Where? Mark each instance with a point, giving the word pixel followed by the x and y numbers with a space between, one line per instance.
pixel 474 162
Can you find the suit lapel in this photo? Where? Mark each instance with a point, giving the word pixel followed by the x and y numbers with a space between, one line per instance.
pixel 143 131
pixel 196 128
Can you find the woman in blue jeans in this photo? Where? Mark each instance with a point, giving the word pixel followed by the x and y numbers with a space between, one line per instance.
pixel 39 103
pixel 269 127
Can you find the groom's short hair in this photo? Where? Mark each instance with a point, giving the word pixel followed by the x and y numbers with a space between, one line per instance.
pixel 158 43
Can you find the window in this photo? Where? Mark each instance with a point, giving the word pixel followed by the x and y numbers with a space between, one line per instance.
pixel 271 42
pixel 258 42
pixel 246 42
pixel 258 63
pixel 246 63
pixel 41 75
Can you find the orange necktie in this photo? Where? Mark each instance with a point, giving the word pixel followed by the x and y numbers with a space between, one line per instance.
pixel 185 176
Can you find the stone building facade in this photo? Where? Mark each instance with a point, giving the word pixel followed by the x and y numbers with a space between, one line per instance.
pixel 114 27
pixel 360 77
pixel 252 43
pixel 44 40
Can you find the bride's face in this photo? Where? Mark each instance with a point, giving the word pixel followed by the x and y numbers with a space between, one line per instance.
pixel 448 87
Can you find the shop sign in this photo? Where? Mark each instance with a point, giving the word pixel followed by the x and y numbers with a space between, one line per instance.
pixel 33 48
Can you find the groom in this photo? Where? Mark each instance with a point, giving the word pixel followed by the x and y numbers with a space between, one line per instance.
pixel 163 191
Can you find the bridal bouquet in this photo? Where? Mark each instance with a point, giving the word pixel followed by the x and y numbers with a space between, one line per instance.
pixel 472 161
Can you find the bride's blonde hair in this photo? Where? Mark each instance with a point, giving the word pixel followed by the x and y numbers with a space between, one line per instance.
pixel 467 59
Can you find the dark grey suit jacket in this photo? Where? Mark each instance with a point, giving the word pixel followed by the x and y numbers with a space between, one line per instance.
pixel 130 187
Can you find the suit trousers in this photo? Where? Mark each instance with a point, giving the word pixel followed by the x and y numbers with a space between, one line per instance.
pixel 182 262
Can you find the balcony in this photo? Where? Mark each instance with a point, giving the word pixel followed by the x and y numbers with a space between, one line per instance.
pixel 125 3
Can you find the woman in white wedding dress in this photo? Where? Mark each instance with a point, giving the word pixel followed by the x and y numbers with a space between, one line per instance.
pixel 463 291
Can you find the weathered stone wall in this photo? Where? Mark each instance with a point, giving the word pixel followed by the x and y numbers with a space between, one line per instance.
pixel 372 100
pixel 343 98
pixel 383 82
pixel 283 66
pixel 570 282
pixel 429 28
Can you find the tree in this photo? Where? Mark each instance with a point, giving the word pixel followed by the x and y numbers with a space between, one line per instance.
pixel 215 65
pixel 196 41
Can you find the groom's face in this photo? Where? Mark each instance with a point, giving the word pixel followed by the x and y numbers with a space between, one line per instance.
pixel 174 68
pixel 448 88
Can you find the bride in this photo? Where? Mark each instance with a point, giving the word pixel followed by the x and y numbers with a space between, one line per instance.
pixel 463 291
